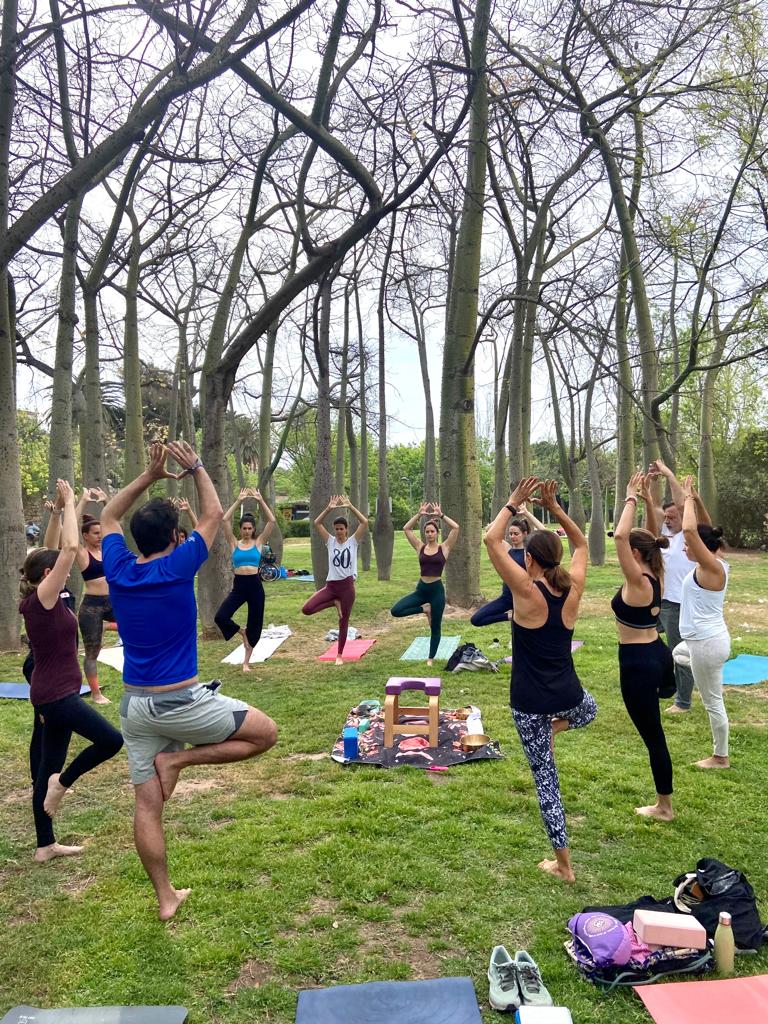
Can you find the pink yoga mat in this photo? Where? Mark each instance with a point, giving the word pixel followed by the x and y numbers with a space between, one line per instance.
pixel 708 1002
pixel 353 650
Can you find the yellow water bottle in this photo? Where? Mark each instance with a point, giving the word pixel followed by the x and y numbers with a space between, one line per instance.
pixel 725 948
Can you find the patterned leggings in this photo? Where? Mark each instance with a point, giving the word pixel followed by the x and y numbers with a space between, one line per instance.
pixel 535 732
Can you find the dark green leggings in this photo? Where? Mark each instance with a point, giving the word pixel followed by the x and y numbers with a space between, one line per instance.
pixel 432 594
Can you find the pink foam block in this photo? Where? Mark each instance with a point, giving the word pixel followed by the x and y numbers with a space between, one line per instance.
pixel 657 929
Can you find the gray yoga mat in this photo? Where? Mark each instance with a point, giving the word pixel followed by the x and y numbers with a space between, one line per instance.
pixel 97 1015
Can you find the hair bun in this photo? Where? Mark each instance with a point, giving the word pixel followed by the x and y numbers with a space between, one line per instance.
pixel 662 543
pixel 717 531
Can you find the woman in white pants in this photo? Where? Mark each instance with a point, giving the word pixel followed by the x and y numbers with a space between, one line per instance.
pixel 706 643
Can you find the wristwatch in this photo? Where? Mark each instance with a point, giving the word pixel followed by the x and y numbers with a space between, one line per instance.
pixel 511 508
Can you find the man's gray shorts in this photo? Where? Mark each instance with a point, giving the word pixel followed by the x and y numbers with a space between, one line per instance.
pixel 153 723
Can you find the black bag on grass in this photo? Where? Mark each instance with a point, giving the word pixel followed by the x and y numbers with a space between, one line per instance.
pixel 457 655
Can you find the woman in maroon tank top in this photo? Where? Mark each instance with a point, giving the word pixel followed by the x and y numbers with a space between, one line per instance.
pixel 429 595
pixel 55 683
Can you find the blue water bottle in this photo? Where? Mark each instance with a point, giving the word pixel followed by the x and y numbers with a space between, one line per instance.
pixel 350 743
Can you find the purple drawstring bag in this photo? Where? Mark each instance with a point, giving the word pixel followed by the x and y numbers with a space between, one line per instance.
pixel 603 937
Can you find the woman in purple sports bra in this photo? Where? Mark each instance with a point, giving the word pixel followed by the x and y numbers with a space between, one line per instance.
pixel 429 595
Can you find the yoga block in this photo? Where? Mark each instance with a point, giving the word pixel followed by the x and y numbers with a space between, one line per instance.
pixel 658 929
pixel 543 1015
pixel 429 684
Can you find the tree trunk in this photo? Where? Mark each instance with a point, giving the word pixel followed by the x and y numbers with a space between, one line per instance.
pixel 431 491
pixel 383 528
pixel 341 420
pixel 266 483
pixel 93 445
pixel 323 478
pixel 11 510
pixel 365 547
pixel 596 521
pixel 236 446
pixel 625 410
pixel 61 446
pixel 459 476
pixel 354 461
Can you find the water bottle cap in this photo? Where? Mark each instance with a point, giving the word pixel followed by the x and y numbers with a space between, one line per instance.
pixel 725 917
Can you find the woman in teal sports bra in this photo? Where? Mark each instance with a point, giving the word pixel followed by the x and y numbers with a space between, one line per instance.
pixel 247 587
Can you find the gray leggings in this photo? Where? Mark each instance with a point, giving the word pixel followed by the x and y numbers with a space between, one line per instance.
pixel 707 658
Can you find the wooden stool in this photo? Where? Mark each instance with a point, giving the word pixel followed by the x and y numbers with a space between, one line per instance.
pixel 393 709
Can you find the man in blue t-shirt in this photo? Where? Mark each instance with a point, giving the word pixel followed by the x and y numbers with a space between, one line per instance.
pixel 164 707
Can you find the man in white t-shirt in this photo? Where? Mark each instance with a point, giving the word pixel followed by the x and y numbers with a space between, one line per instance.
pixel 677 565
pixel 339 589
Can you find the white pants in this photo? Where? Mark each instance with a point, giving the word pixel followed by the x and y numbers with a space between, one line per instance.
pixel 706 658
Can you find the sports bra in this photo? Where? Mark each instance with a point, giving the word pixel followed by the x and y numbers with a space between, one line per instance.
pixel 638 616
pixel 242 557
pixel 432 565
pixel 94 570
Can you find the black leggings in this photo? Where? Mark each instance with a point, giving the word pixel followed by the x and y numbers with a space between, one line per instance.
pixel 57 721
pixel 245 590
pixel 642 669
pixel 494 611
pixel 95 610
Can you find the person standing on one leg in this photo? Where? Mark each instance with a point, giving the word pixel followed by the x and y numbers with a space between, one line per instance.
pixel 677 565
pixel 164 706
pixel 546 695
pixel 55 684
pixel 95 606
pixel 339 589
pixel 247 587
pixel 706 642
pixel 429 595
pixel 645 662
pixel 500 609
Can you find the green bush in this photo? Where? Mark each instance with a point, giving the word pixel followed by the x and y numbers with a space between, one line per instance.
pixel 742 491
pixel 296 528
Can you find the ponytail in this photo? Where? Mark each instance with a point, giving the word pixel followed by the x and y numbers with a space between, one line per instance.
pixel 650 548
pixel 546 549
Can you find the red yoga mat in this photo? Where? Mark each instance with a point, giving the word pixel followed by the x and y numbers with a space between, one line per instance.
pixel 708 1002
pixel 353 650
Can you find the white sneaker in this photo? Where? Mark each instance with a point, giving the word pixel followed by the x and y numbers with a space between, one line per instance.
pixel 532 990
pixel 504 991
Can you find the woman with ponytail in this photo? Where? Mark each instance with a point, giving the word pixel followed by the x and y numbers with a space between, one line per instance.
pixel 706 642
pixel 546 695
pixel 55 683
pixel 646 668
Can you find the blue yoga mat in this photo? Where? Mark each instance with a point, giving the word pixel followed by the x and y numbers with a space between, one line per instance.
pixel 745 669
pixel 419 649
pixel 20 691
pixel 441 1001
pixel 299 579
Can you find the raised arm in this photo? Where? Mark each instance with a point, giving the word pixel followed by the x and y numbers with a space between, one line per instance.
pixel 531 519
pixel 580 556
pixel 117 506
pixel 53 529
pixel 453 526
pixel 210 507
pixel 633 572
pixel 48 589
pixel 411 537
pixel 226 521
pixel 184 506
pixel 269 519
pixel 516 578
pixel 713 573
pixel 652 519
pixel 319 521
pixel 675 488
pixel 362 521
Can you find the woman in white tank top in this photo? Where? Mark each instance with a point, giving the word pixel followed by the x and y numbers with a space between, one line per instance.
pixel 706 643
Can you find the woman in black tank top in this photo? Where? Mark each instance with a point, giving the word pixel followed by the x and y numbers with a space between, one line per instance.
pixel 546 695
pixel 646 668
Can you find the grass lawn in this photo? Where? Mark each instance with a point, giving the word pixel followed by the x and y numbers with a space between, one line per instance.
pixel 305 873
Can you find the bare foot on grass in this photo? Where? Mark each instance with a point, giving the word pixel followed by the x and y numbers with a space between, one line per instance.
pixel 654 811
pixel 54 796
pixel 716 761
pixel 339 660
pixel 430 663
pixel 45 853
pixel 167 773
pixel 551 867
pixel 98 698
pixel 169 907
pixel 675 709
pixel 248 652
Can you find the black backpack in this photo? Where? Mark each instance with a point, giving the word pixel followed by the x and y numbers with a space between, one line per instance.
pixel 457 655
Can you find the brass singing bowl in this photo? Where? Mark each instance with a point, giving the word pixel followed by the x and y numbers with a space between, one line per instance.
pixel 474 741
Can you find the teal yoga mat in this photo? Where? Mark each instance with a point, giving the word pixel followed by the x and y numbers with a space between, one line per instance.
pixel 745 669
pixel 419 649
